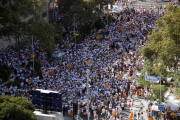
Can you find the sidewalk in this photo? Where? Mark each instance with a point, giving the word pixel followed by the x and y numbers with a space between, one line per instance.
pixel 136 106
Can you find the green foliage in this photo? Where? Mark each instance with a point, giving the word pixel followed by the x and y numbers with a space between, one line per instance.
pixel 156 91
pixel 58 33
pixel 14 17
pixel 141 80
pixel 5 72
pixel 170 75
pixel 98 24
pixel 177 84
pixel 147 52
pixel 85 10
pixel 16 108
pixel 44 31
pixel 86 29
pixel 151 98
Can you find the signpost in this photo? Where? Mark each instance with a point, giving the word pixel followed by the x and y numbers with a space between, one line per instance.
pixel 160 107
pixel 152 78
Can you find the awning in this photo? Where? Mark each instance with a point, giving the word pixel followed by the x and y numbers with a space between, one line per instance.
pixel 155 108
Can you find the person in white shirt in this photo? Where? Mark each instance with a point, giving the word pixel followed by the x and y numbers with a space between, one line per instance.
pixel 122 105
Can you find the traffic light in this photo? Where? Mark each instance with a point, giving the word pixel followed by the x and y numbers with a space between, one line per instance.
pixel 75 108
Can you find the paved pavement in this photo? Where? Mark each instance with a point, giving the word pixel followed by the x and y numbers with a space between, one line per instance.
pixel 136 106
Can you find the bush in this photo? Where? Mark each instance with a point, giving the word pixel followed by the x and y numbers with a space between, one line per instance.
pixel 151 98
pixel 5 72
pixel 141 80
pixel 156 91
pixel 16 108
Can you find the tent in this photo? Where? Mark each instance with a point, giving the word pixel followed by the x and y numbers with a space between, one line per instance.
pixel 59 54
pixel 172 102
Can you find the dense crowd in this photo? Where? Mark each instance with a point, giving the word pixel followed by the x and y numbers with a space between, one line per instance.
pixel 112 60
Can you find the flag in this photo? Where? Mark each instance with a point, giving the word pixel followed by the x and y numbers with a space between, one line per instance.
pixel 85 103
pixel 51 73
pixel 72 38
pixel 89 62
pixel 121 28
pixel 69 65
pixel 31 60
pixel 98 37
pixel 121 75
pixel 130 116
pixel 32 56
pixel 27 57
pixel 107 85
pixel 76 34
pixel 30 80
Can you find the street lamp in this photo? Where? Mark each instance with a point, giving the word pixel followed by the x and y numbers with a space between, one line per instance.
pixel 87 85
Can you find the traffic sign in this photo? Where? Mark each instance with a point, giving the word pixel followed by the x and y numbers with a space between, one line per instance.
pixel 160 107
pixel 152 78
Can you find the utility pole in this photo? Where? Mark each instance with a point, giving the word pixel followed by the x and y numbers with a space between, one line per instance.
pixel 74 30
pixel 107 17
pixel 87 84
pixel 33 55
pixel 160 98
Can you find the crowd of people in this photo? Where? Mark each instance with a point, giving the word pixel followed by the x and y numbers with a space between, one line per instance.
pixel 111 63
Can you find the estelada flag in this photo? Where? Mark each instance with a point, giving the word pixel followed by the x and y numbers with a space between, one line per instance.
pixel 72 38
pixel 121 28
pixel 51 73
pixel 69 65
pixel 107 85
pixel 32 56
pixel 98 37
pixel 89 62
pixel 30 80
pixel 130 116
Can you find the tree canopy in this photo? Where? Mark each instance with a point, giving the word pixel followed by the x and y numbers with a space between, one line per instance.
pixel 164 42
pixel 16 108
pixel 85 10
pixel 15 15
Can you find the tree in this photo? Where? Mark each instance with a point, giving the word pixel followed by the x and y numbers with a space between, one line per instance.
pixel 16 108
pixel 43 31
pixel 15 15
pixel 164 42
pixel 85 10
